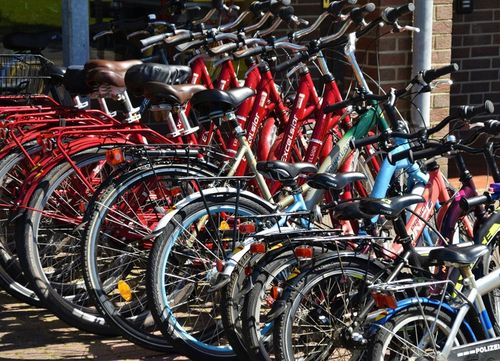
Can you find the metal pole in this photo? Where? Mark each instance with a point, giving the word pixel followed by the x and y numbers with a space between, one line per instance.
pixel 422 56
pixel 75 26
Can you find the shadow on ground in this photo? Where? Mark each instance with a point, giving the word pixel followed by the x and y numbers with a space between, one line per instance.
pixel 28 333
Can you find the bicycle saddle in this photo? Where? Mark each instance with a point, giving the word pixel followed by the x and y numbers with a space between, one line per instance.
pixel 217 101
pixel 457 254
pixel 74 80
pixel 389 207
pixel 34 42
pixel 349 210
pixel 106 72
pixel 334 181
pixel 138 75
pixel 284 172
pixel 171 94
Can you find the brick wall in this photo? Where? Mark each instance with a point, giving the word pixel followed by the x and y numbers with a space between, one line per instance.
pixel 476 49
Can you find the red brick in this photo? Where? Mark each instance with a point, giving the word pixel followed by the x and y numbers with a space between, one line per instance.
pixel 490 27
pixel 393 59
pixel 460 76
pixel 485 4
pixel 459 99
pixel 479 87
pixel 441 56
pixel 387 44
pixel 460 53
pixel 477 39
pixel 486 75
pixel 476 63
pixel 404 44
pixel 443 12
pixel 460 28
pixel 440 100
pixel 442 42
pixel 483 51
pixel 481 15
pixel 404 74
pixel 442 27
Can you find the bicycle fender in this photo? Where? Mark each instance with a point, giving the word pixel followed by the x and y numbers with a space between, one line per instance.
pixel 198 196
pixel 403 305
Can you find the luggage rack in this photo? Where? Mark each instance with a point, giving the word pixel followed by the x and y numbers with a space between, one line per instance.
pixel 22 74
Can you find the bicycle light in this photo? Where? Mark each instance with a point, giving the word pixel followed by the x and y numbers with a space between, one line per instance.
pixel 304 253
pixel 247 228
pixel 276 292
pixel 384 300
pixel 115 156
pixel 220 265
pixel 258 247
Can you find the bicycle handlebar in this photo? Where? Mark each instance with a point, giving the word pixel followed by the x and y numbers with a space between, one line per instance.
pixel 468 111
pixel 390 15
pixel 357 14
pixel 468 203
pixel 432 74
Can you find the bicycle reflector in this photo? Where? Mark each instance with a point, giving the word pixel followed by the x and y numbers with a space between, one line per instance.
pixel 247 228
pixel 224 226
pixel 304 253
pixel 115 156
pixel 220 265
pixel 125 290
pixel 276 292
pixel 384 300
pixel 258 247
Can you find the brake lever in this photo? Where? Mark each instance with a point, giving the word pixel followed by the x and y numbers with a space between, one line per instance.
pixel 440 82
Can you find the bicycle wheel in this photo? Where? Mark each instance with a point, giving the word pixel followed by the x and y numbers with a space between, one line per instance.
pixel 321 307
pixel 415 333
pixel 182 267
pixel 48 240
pixel 117 241
pixel 13 170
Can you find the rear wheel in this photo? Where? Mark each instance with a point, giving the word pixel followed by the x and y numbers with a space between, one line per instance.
pixel 48 240
pixel 117 242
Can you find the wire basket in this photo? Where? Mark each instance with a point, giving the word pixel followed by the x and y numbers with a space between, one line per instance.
pixel 22 74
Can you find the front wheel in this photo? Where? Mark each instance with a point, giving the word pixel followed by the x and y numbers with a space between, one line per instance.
pixel 182 268
pixel 415 333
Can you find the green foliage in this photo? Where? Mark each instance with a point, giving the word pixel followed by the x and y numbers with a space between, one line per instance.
pixel 30 12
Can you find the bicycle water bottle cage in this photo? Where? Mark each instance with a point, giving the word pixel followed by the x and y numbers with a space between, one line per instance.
pixel 213 105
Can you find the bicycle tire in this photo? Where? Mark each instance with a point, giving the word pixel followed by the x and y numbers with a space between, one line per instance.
pixel 197 346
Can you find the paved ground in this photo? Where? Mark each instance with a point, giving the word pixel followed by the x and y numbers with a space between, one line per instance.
pixel 28 333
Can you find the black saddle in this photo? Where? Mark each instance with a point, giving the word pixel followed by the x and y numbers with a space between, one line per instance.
pixel 349 210
pixel 284 172
pixel 138 75
pixel 389 207
pixel 75 81
pixel 219 101
pixel 34 42
pixel 334 181
pixel 458 255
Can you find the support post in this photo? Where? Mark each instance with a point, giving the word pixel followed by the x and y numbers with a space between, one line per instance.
pixel 75 26
pixel 422 56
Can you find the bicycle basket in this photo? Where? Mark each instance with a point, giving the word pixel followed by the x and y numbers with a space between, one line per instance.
pixel 22 74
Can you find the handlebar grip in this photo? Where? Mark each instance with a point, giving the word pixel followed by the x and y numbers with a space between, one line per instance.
pixel 468 203
pixel 358 143
pixel 286 13
pixel 396 157
pixel 179 38
pixel 428 153
pixel 357 14
pixel 432 74
pixel 186 46
pixel 153 40
pixel 492 127
pixel 336 6
pixel 291 62
pixel 469 111
pixel 391 15
pixel 224 48
pixel 338 106
pixel 249 52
